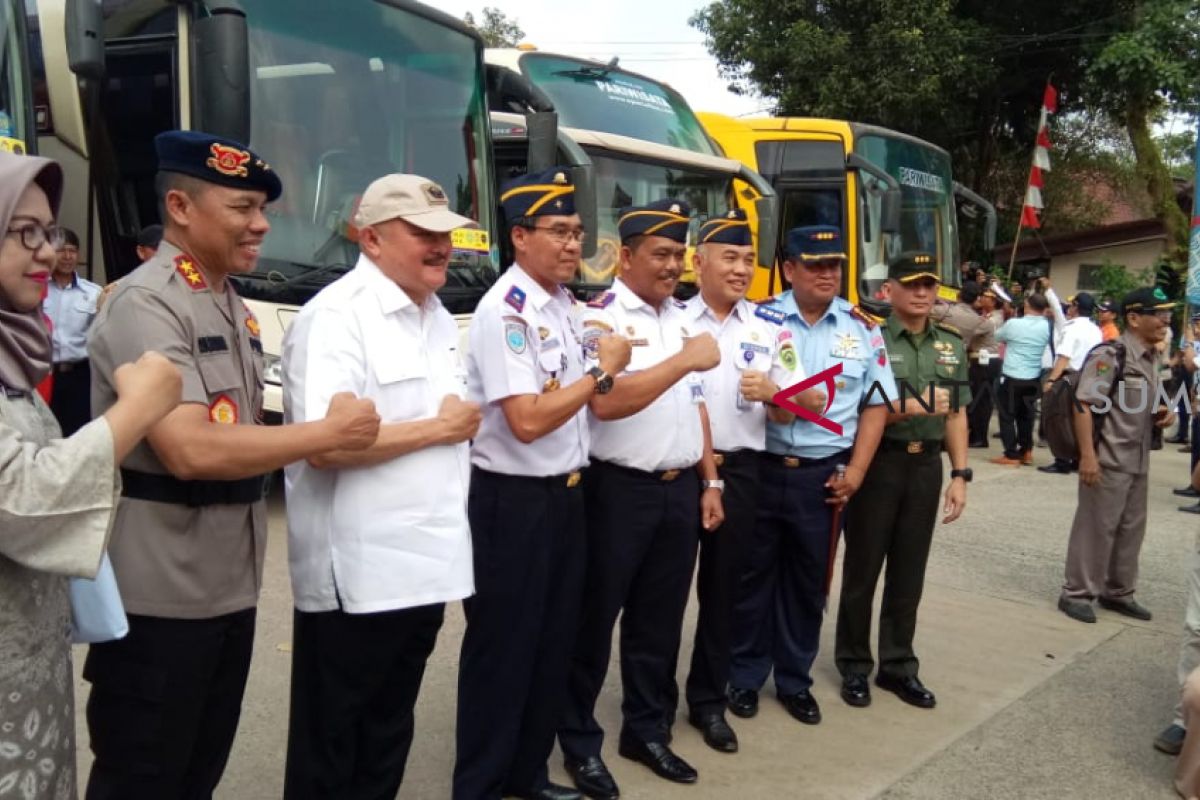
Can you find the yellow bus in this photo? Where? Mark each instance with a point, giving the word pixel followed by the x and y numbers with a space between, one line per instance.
pixel 887 191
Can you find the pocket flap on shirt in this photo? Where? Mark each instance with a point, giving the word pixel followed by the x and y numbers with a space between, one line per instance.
pixel 220 372
pixel 390 369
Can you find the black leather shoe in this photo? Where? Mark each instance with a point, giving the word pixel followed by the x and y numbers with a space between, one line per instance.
pixel 659 758
pixel 1055 469
pixel 1176 440
pixel 1186 491
pixel 909 689
pixel 803 706
pixel 979 445
pixel 1129 608
pixel 1170 740
pixel 717 733
pixel 1192 509
pixel 592 778
pixel 1080 610
pixel 552 791
pixel 743 702
pixel 856 690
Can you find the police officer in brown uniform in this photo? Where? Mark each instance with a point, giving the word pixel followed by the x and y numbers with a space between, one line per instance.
pixel 190 534
pixel 1117 391
pixel 979 336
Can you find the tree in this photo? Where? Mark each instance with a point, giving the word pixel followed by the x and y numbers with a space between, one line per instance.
pixel 496 28
pixel 1144 69
pixel 1179 153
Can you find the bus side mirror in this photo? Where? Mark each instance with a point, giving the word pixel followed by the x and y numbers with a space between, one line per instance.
pixel 221 59
pixel 989 214
pixel 583 176
pixel 85 38
pixel 767 209
pixel 889 210
pixel 543 140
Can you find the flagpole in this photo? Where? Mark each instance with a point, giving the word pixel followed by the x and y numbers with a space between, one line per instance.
pixel 1012 258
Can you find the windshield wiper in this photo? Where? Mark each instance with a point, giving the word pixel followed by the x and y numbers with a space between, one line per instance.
pixel 340 269
pixel 590 72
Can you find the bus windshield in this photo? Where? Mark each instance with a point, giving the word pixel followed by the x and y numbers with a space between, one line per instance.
pixel 590 97
pixel 927 216
pixel 15 124
pixel 622 182
pixel 343 94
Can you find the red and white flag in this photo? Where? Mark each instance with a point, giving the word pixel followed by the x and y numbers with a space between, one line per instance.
pixel 1041 162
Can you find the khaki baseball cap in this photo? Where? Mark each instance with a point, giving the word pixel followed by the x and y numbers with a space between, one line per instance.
pixel 414 199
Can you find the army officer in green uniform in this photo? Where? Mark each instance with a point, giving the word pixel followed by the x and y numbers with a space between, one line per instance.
pixel 893 515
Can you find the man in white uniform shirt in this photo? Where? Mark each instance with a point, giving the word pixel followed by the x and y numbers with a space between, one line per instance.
pixel 644 501
pixel 377 539
pixel 1074 337
pixel 758 359
pixel 525 367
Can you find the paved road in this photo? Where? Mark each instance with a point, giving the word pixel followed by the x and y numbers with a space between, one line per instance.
pixel 1031 704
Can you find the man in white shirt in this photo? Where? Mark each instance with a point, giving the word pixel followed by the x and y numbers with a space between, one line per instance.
pixel 650 447
pixel 71 306
pixel 758 358
pixel 1074 337
pixel 525 367
pixel 377 539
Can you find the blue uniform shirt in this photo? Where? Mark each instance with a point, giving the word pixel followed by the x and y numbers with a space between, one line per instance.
pixel 838 337
pixel 71 311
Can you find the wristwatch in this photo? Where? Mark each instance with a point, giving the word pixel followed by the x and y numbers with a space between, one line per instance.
pixel 719 485
pixel 965 473
pixel 604 381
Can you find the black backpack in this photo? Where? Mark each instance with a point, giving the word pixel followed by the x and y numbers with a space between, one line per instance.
pixel 1058 407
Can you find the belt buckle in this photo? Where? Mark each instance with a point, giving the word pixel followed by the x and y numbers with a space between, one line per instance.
pixel 791 462
pixel 719 459
pixel 670 475
pixel 573 479
pixel 915 447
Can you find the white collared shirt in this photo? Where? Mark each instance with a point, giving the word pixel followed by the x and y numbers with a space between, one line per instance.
pixel 71 311
pixel 750 338
pixel 393 535
pixel 523 341
pixel 1077 338
pixel 666 434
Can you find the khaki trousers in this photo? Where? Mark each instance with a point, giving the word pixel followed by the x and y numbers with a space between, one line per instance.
pixel 1106 537
pixel 1187 770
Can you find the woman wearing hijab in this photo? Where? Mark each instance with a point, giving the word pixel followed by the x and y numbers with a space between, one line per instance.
pixel 57 496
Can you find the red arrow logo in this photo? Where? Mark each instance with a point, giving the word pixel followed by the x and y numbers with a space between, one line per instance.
pixel 826 376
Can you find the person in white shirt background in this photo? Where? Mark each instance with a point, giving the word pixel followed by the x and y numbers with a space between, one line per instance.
pixel 1074 337
pixel 71 306
pixel 378 539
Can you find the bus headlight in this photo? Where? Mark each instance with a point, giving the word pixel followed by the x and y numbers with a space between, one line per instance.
pixel 272 369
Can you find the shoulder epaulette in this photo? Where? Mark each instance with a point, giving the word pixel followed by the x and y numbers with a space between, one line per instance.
pixel 772 315
pixel 190 274
pixel 602 301
pixel 865 318
pixel 516 298
pixel 949 329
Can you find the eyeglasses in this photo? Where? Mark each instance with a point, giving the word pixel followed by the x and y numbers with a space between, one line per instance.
pixel 561 233
pixel 34 236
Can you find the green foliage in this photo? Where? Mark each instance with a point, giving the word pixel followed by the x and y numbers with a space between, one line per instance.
pixel 1179 153
pixel 1115 280
pixel 496 28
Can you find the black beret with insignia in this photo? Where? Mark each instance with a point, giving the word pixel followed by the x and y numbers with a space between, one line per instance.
pixel 539 194
pixel 1146 301
pixel 215 160
pixel 913 265
pixel 814 243
pixel 733 228
pixel 667 218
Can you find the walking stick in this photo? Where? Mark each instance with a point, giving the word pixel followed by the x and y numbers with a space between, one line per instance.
pixel 834 529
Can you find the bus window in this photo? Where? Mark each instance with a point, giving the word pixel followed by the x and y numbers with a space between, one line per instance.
pixel 14 122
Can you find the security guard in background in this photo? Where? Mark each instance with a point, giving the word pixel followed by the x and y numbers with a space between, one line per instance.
pixel 190 534
pixel 650 449
pixel 758 358
pixel 782 591
pixel 894 513
pixel 979 336
pixel 525 368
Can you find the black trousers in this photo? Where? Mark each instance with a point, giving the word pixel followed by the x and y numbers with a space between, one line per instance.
pixel 71 397
pixel 165 705
pixel 721 556
pixel 641 550
pixel 1017 412
pixel 982 380
pixel 355 679
pixel 780 595
pixel 890 520
pixel 529 544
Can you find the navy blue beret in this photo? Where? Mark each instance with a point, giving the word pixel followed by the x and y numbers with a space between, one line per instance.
pixel 539 194
pixel 667 218
pixel 814 243
pixel 215 160
pixel 733 228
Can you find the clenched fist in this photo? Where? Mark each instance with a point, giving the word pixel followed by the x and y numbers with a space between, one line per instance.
pixel 702 352
pixel 152 384
pixel 756 387
pixel 460 418
pixel 614 353
pixel 355 421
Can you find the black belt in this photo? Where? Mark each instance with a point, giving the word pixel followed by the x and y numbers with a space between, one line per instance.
pixel 794 462
pixel 913 448
pixel 169 489
pixel 664 475
pixel 568 479
pixel 66 366
pixel 731 457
